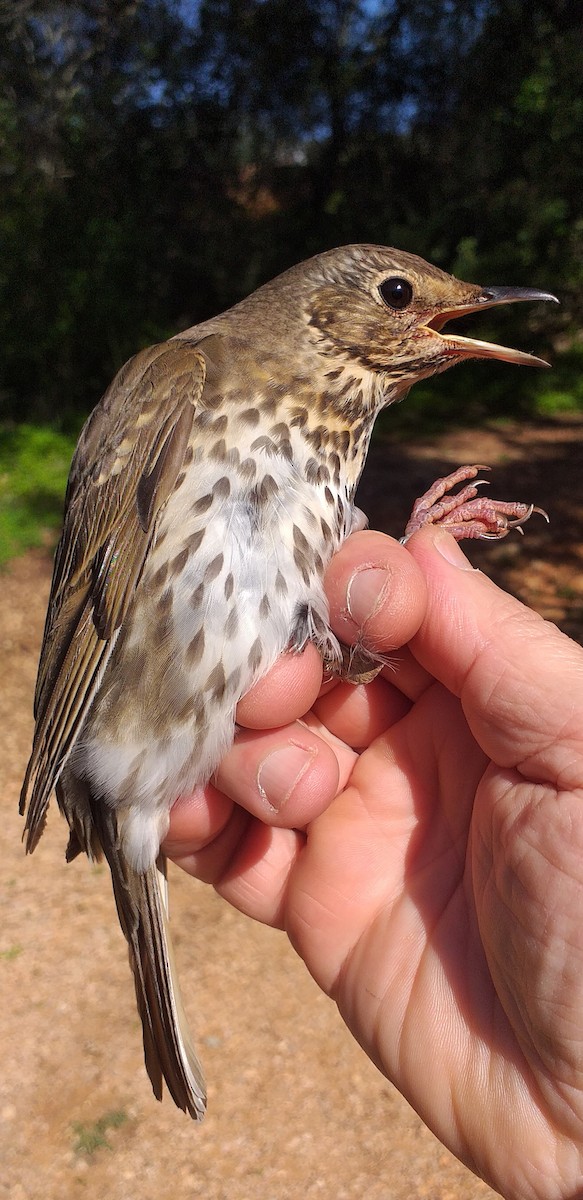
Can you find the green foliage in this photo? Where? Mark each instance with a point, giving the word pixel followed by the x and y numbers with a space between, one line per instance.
pixel 92 1136
pixel 34 463
pixel 563 390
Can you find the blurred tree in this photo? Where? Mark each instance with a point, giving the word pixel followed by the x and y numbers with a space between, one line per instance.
pixel 159 159
pixel 512 163
pixel 111 176
pixel 324 93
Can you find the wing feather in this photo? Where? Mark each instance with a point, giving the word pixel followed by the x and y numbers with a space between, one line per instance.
pixel 124 470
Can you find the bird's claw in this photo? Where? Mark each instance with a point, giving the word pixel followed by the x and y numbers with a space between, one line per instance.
pixel 465 514
pixel 358 665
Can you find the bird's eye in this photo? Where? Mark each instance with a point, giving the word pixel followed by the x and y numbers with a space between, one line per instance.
pixel 397 293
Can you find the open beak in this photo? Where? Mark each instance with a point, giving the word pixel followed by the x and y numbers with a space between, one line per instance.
pixel 454 344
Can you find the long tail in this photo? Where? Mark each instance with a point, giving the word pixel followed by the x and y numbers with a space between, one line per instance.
pixel 141 901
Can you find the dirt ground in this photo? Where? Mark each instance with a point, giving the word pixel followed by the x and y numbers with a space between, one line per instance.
pixel 295 1108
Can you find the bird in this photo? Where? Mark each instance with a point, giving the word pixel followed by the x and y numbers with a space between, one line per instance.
pixel 209 489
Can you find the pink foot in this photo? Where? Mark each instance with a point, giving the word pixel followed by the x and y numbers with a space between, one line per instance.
pixel 465 514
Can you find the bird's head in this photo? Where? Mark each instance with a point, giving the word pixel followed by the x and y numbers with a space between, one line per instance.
pixel 387 310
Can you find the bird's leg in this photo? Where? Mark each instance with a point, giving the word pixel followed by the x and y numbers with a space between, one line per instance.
pixel 465 514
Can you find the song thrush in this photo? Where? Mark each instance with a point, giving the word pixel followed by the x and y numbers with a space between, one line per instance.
pixel 209 490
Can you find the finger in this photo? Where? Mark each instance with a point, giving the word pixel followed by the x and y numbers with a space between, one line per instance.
pixel 205 860
pixel 404 672
pixel 196 820
pixel 256 879
pixel 249 864
pixel 520 680
pixel 286 777
pixel 376 591
pixel 285 693
pixel 358 715
pixel 377 596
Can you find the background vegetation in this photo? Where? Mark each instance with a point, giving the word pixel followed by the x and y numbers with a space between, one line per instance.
pixel 159 159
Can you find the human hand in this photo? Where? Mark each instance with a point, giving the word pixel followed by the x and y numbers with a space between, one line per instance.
pixel 427 864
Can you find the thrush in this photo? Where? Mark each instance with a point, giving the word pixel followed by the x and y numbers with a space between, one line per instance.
pixel 209 489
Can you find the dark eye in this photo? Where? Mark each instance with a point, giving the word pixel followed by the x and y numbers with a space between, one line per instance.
pixel 397 293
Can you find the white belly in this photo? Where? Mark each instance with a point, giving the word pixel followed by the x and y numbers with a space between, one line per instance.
pixel 194 644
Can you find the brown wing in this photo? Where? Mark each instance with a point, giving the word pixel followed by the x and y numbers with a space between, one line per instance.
pixel 124 470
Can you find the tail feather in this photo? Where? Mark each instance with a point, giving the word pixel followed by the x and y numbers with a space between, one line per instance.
pixel 171 1051
pixel 141 904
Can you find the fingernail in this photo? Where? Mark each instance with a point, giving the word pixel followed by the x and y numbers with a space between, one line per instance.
pixel 449 549
pixel 366 592
pixel 281 771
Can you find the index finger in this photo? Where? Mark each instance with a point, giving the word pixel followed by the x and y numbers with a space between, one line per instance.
pixel 377 592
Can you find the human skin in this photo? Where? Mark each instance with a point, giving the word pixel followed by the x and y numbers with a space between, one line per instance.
pixel 420 839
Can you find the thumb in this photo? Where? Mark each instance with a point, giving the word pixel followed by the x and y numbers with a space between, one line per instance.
pixel 519 679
